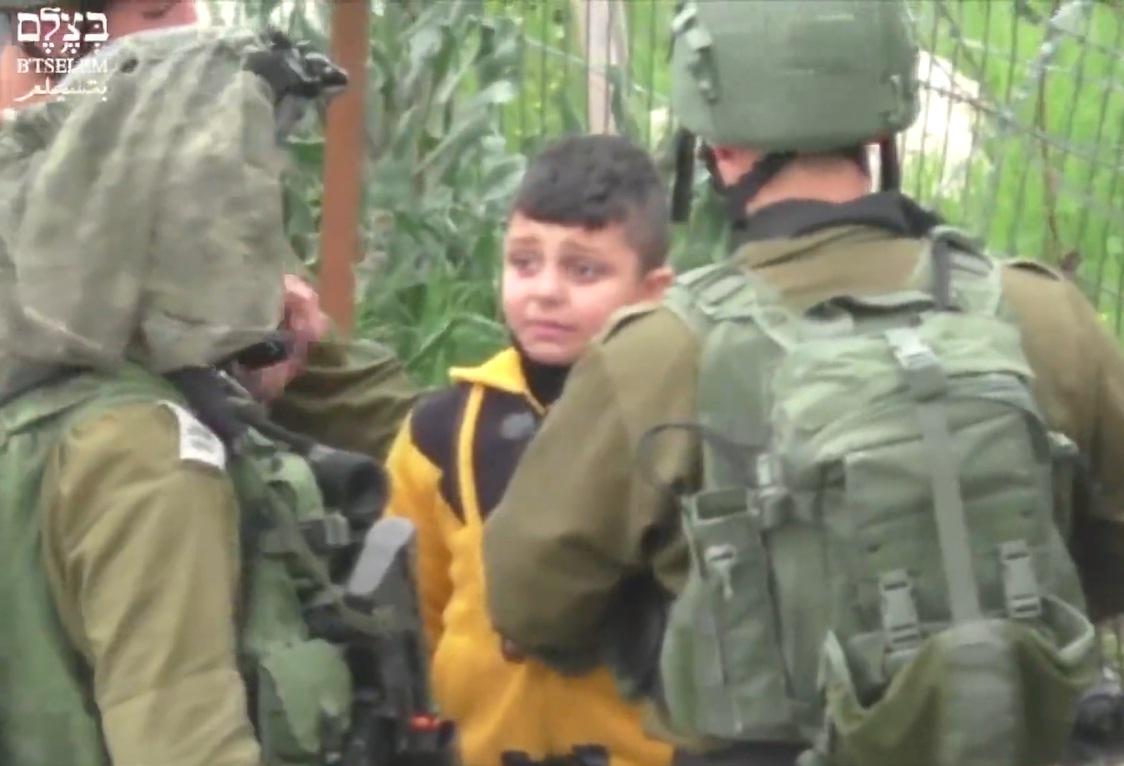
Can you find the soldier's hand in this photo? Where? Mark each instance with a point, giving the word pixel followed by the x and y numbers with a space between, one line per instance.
pixel 307 323
pixel 303 316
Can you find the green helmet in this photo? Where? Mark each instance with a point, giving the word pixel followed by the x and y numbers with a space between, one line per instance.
pixel 159 177
pixel 794 75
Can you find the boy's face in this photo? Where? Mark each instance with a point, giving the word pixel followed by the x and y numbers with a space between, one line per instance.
pixel 560 284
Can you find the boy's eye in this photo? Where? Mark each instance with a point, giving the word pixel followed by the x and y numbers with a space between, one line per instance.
pixel 587 270
pixel 522 261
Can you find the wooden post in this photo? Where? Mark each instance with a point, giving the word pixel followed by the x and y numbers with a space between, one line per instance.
pixel 344 161
pixel 602 29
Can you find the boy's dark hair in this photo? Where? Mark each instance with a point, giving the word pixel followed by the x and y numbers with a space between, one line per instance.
pixel 594 181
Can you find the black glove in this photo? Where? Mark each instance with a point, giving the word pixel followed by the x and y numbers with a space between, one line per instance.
pixel 300 76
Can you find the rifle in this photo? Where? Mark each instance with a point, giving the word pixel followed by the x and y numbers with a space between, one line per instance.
pixel 393 718
pixel 394 721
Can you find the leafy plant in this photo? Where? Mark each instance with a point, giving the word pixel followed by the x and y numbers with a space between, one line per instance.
pixel 439 175
pixel 442 180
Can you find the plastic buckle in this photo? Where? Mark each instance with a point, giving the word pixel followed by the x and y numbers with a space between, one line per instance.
pixel 1020 585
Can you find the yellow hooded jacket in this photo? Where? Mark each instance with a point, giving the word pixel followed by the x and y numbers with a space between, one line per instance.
pixel 449 466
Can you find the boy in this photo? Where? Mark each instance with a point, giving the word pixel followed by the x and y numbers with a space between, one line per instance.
pixel 588 234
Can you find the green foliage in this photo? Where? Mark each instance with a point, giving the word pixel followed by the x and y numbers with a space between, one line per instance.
pixel 554 71
pixel 439 175
pixel 442 178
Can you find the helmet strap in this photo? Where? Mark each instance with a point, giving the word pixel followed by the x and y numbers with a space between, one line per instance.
pixel 683 179
pixel 890 173
pixel 739 194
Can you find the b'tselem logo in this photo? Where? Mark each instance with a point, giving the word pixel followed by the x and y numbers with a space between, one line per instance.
pixel 61 36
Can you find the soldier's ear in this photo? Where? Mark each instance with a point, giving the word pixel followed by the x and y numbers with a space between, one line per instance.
pixel 656 282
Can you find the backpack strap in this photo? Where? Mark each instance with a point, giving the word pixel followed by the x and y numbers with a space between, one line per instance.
pixel 724 292
pixel 435 427
pixel 923 369
pixel 958 272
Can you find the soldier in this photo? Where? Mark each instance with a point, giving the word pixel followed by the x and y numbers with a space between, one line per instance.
pixel 352 395
pixel 165 551
pixel 831 451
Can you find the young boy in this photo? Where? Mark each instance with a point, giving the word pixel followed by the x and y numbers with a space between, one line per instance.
pixel 588 234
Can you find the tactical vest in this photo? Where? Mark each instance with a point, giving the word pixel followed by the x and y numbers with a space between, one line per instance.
pixel 878 557
pixel 300 687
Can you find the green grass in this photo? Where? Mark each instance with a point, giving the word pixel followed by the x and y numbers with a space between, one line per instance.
pixel 1061 191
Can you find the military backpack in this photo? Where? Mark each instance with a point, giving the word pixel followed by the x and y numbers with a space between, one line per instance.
pixel 878 558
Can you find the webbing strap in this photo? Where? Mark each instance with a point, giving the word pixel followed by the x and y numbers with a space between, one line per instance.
pixel 330 533
pixel 928 384
pixel 288 536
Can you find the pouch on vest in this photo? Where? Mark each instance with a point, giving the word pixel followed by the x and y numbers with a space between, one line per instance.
pixel 878 567
pixel 300 684
pixel 331 630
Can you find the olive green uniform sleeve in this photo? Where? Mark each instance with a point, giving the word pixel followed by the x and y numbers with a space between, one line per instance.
pixel 1084 371
pixel 1099 531
pixel 142 551
pixel 558 545
pixel 354 395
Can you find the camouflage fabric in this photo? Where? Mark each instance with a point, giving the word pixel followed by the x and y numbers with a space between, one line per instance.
pixel 141 211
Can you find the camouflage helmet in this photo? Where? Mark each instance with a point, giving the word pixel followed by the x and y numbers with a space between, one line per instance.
pixel 794 75
pixel 157 177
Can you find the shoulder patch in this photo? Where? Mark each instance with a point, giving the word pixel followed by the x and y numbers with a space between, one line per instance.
pixel 1037 267
pixel 198 443
pixel 623 317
